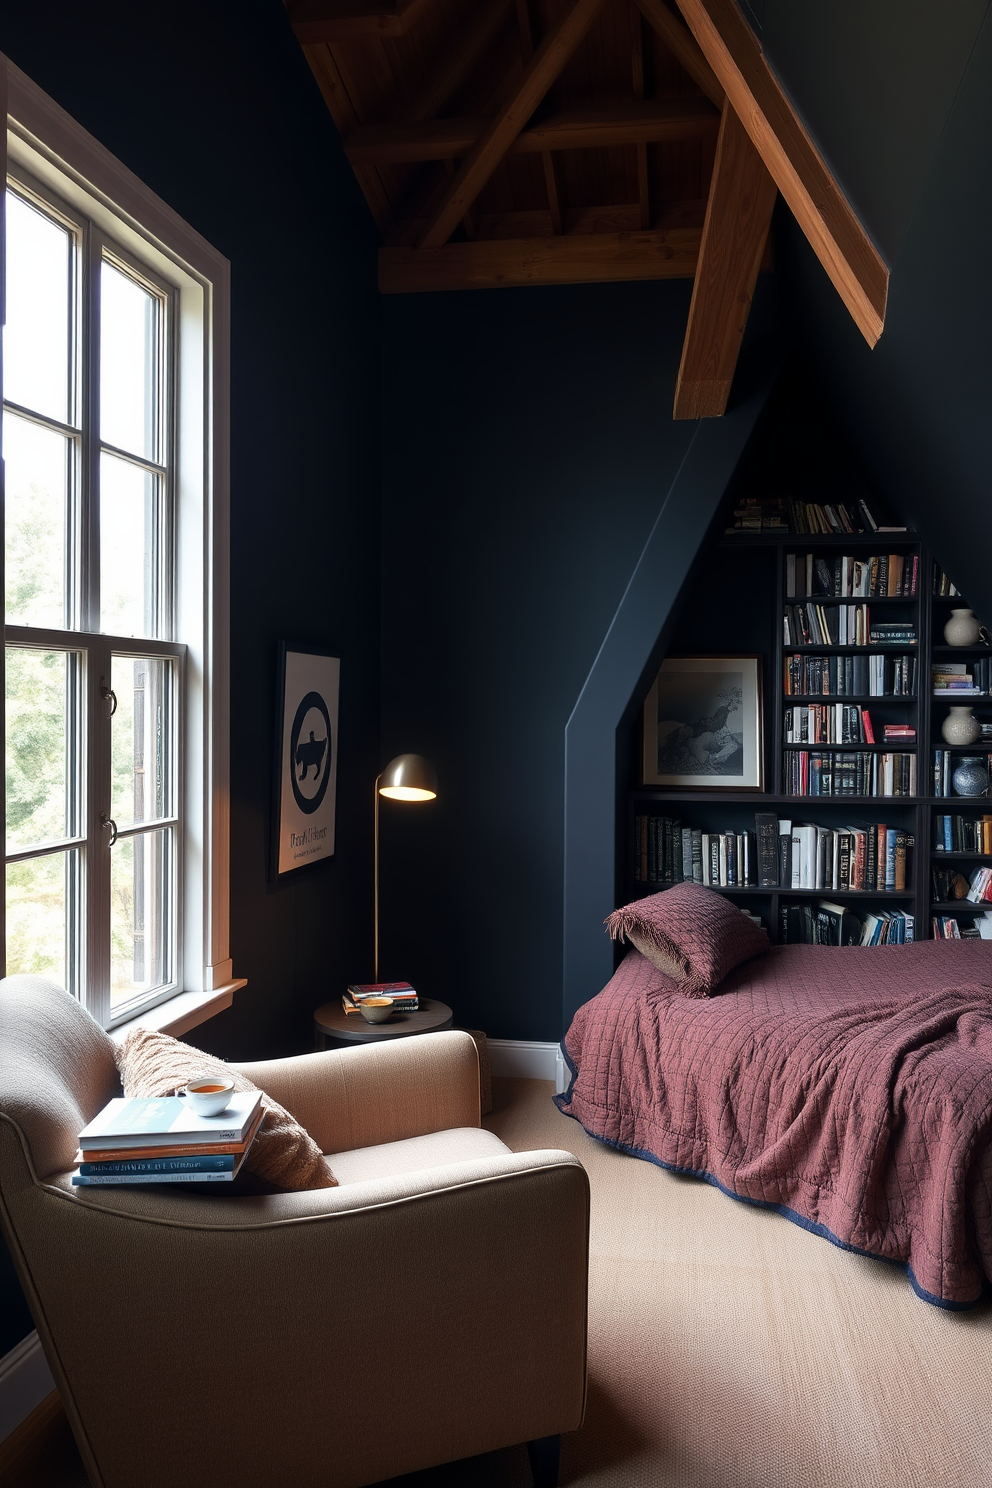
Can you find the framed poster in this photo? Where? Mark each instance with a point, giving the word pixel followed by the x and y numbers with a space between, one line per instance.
pixel 702 724
pixel 306 758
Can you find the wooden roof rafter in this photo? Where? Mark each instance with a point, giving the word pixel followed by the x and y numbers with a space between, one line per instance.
pixel 511 142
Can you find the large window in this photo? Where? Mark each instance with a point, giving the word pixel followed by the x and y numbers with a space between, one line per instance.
pixel 115 582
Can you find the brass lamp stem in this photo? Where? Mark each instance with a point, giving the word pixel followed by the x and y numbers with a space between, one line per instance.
pixel 375 957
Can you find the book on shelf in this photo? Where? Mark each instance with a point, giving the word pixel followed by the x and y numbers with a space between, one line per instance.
pixel 942 585
pixel 980 886
pixel 947 883
pixel 826 625
pixel 170 1149
pixel 834 772
pixel 829 518
pixel 944 765
pixel 963 834
pixel 830 924
pixel 891 633
pixel 402 993
pixel 847 576
pixel 827 723
pixel 973 677
pixel 896 733
pixel 949 927
pixel 158 1121
pixel 840 676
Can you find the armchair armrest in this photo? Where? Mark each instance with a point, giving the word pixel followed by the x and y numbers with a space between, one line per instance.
pixel 377 1093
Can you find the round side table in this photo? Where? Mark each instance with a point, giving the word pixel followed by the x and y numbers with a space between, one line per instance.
pixel 333 1028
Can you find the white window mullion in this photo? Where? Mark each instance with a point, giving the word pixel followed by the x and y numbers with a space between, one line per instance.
pixel 89 486
pixel 96 952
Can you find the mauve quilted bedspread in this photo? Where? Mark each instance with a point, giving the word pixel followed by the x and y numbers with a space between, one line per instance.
pixel 849 1088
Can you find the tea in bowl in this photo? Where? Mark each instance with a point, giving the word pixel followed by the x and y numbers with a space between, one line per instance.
pixel 376 1009
pixel 209 1096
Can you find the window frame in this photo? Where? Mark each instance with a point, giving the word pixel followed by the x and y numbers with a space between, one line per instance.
pixel 44 142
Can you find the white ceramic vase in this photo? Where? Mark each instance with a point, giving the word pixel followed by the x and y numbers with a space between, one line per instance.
pixel 960 726
pixel 962 630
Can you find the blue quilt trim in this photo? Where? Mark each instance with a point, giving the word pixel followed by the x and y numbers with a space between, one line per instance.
pixel 790 1214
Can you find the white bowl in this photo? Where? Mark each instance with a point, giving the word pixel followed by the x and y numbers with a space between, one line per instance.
pixel 209 1096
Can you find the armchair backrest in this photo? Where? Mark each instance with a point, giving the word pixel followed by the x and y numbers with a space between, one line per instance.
pixel 57 1069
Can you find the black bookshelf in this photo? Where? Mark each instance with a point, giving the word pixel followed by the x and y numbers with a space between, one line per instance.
pixel 727 812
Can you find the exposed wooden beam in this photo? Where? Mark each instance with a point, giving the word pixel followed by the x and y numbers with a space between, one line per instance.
pixel 681 42
pixel 738 216
pixel 545 65
pixel 549 166
pixel 856 268
pixel 638 123
pixel 342 111
pixel 593 258
pixel 334 20
pixel 459 63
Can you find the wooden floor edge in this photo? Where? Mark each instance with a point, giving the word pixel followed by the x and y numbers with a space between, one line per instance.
pixel 25 1437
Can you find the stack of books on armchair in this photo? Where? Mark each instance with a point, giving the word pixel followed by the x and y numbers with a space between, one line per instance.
pixel 161 1140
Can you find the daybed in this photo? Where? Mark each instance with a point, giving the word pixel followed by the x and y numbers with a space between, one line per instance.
pixel 849 1089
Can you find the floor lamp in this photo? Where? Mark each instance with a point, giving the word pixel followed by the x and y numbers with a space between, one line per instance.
pixel 408 777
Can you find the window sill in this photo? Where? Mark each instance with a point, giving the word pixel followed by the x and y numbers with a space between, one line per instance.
pixel 181 1013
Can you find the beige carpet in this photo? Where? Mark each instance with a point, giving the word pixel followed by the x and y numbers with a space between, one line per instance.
pixel 729 1348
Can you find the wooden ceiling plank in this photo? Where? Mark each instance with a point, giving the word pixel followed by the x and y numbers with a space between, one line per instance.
pixel 336 20
pixel 545 65
pixel 637 81
pixel 552 183
pixel 738 216
pixel 589 259
pixel 652 122
pixel 837 237
pixel 342 111
pixel 680 41
pixel 461 61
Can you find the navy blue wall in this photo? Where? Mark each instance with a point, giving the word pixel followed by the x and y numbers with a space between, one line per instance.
pixel 528 447
pixel 215 108
pixel 904 116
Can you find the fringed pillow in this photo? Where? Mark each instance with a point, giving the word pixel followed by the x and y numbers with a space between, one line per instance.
pixel 691 934
pixel 283 1154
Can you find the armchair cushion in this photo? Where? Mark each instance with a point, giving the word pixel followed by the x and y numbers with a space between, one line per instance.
pixel 283 1153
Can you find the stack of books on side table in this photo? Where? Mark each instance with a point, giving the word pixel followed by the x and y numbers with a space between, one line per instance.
pixel 161 1140
pixel 404 996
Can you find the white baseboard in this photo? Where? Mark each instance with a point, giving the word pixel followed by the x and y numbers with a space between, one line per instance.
pixel 25 1381
pixel 522 1059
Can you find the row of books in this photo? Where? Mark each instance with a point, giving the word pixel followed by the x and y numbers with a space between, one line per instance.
pixel 848 773
pixel 784 514
pixel 876 576
pixel 944 765
pixel 949 927
pixel 942 585
pixel 161 1140
pixel 852 676
pixel 980 886
pixel 827 723
pixel 972 678
pixel 404 996
pixel 947 883
pixel 830 924
pixel 962 834
pixel 843 625
pixel 870 857
pixel 825 625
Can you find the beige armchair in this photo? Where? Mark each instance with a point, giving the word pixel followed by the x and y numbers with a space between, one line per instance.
pixel 430 1308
